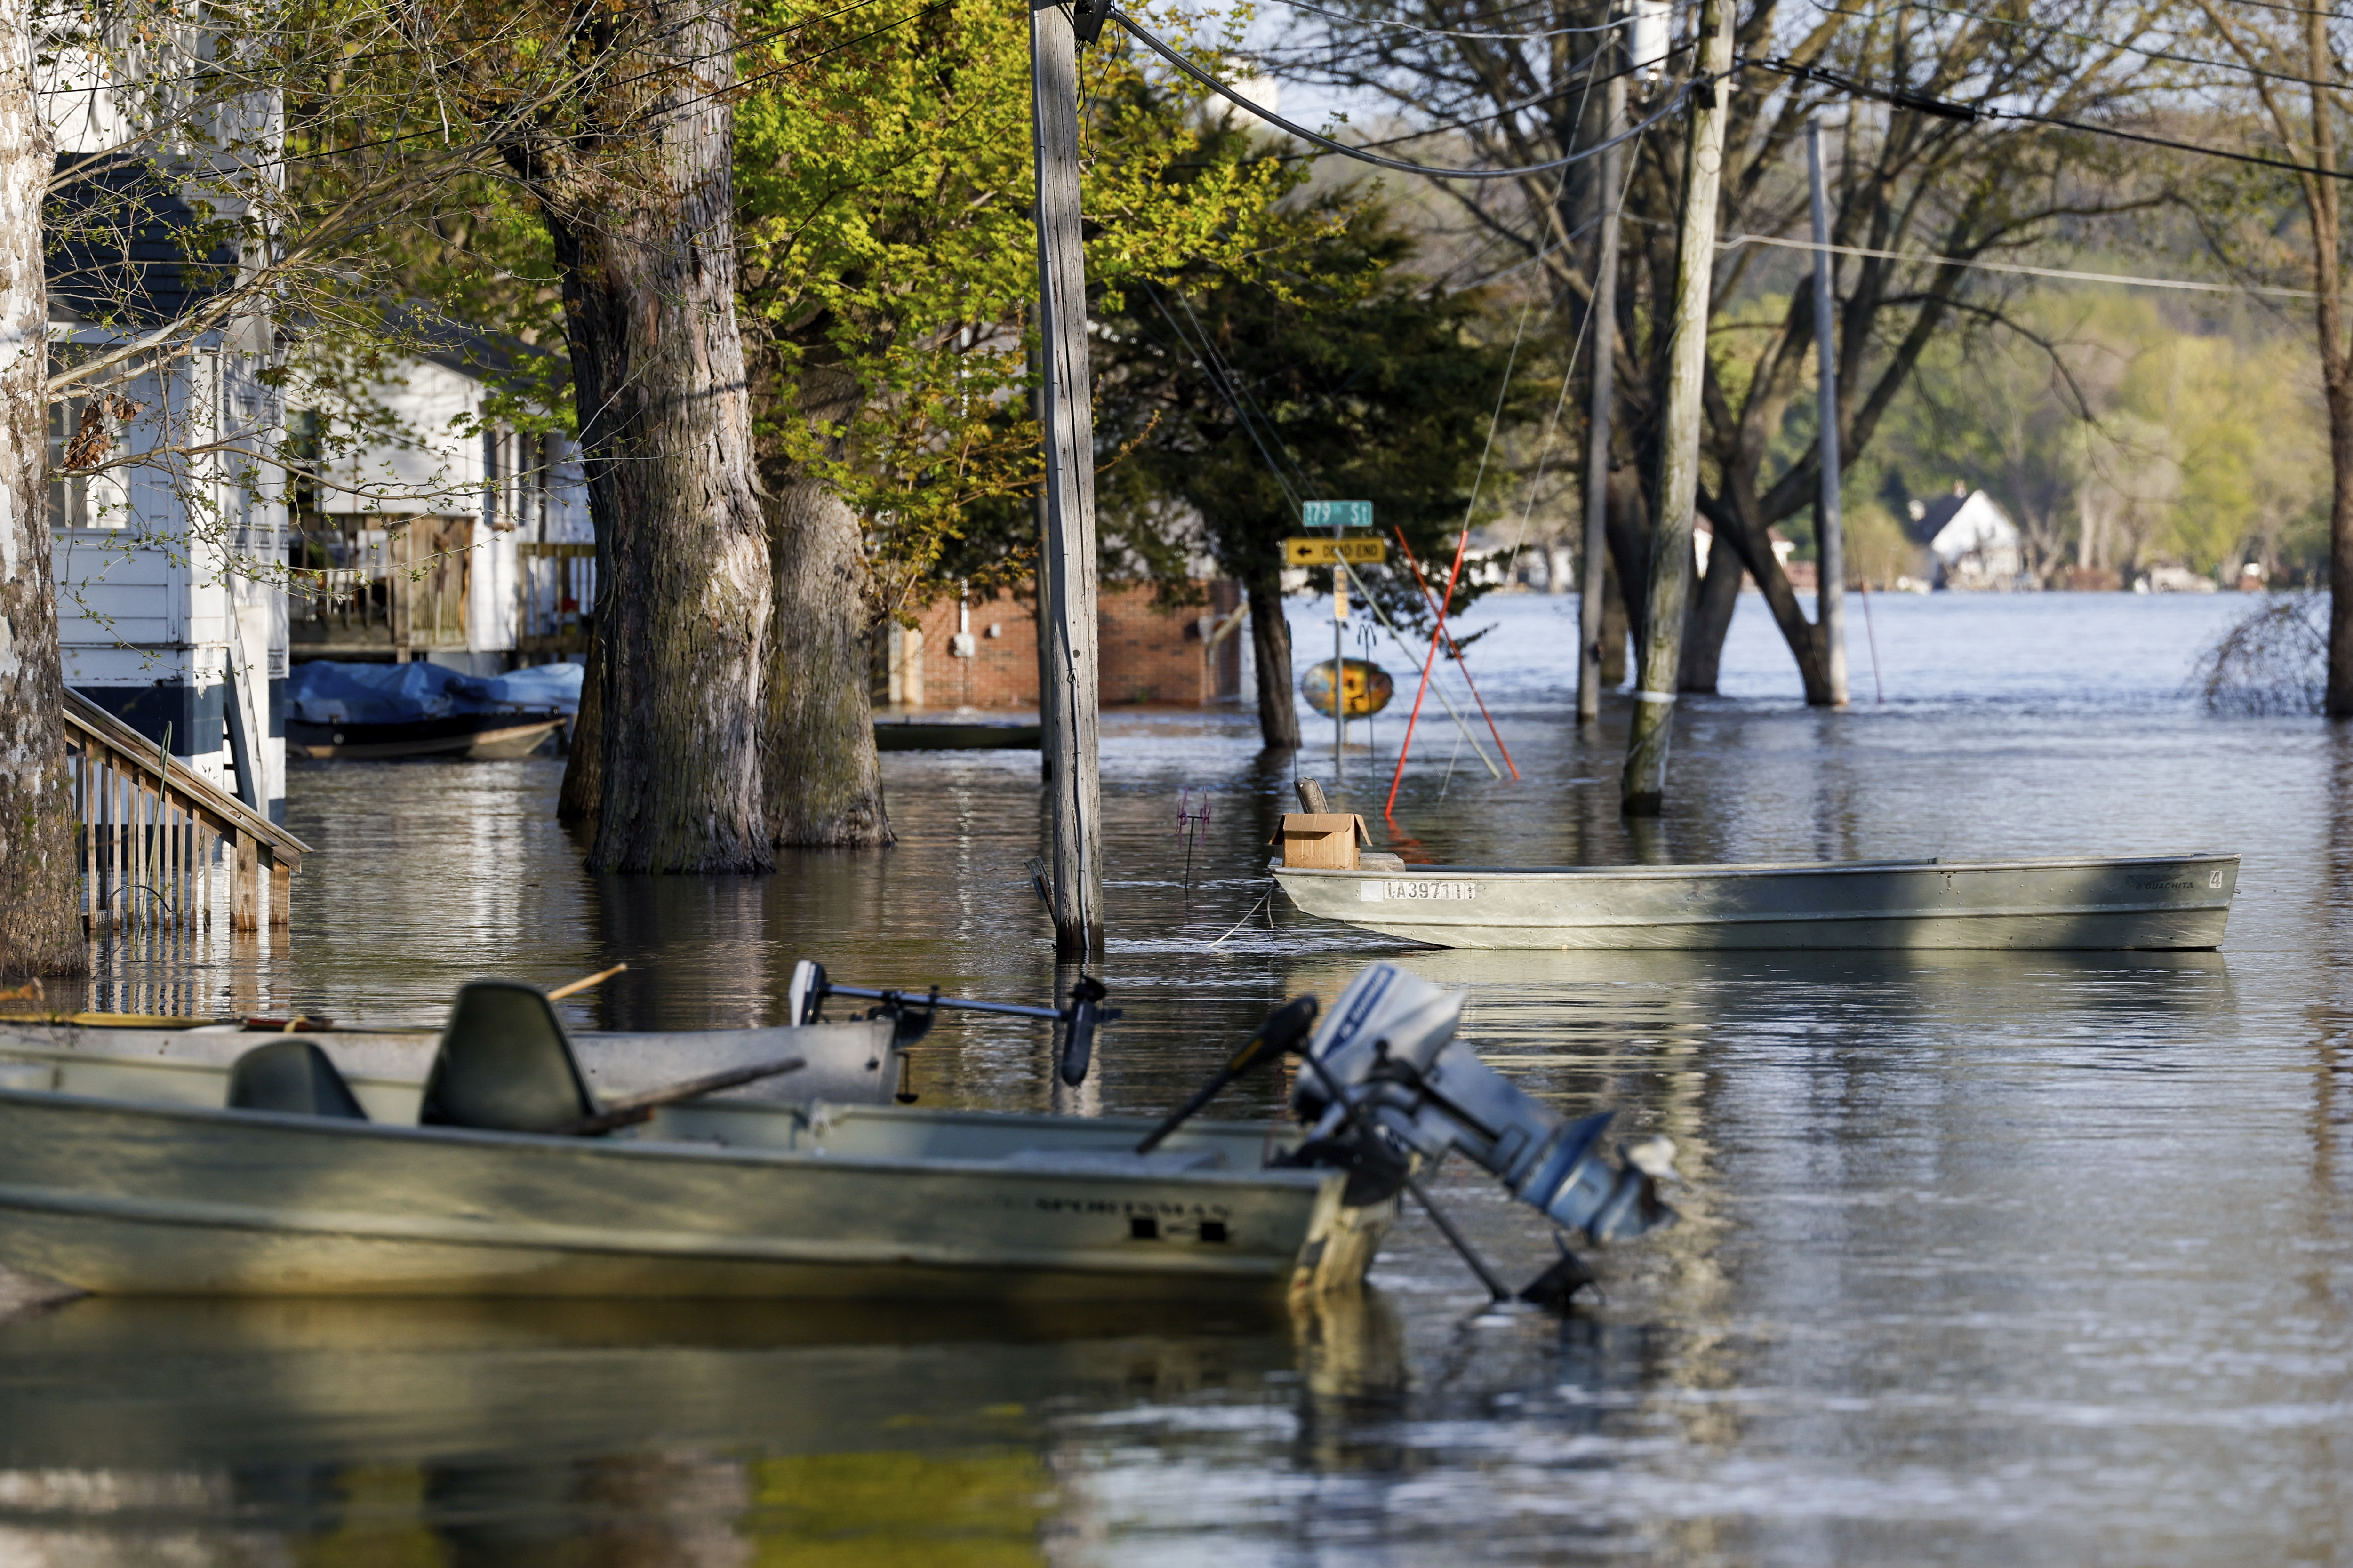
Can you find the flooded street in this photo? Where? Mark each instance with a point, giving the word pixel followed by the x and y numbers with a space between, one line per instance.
pixel 1986 1259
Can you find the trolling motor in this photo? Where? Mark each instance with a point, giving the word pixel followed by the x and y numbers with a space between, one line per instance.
pixel 1383 1082
pixel 912 1012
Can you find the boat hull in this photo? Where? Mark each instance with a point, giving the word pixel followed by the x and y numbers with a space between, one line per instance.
pixel 898 736
pixel 716 1199
pixel 476 737
pixel 2162 902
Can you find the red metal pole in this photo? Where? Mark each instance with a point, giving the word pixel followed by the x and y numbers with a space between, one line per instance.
pixel 1454 649
pixel 1460 544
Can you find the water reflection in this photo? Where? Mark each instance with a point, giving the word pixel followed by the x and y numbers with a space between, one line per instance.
pixel 1985 1257
pixel 483 1432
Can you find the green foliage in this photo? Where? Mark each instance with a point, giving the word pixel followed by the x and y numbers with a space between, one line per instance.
pixel 884 183
pixel 1360 382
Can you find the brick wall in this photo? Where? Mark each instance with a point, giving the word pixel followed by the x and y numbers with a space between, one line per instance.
pixel 1150 655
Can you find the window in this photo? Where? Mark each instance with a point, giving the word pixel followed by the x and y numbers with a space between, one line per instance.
pixel 69 495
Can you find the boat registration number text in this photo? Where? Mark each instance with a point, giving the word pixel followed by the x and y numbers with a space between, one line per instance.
pixel 1386 891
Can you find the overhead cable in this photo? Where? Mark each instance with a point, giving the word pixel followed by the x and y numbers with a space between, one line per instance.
pixel 1504 113
pixel 1973 113
pixel 1150 41
pixel 1452 33
pixel 2067 274
pixel 2088 38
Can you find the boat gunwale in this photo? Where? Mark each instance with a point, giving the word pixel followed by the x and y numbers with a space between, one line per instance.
pixel 681 1151
pixel 1635 922
pixel 1751 868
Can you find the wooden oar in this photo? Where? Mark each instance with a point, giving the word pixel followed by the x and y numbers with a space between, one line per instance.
pixel 585 982
pixel 630 1110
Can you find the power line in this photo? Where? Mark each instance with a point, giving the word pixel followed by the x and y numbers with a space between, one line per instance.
pixel 1504 113
pixel 2067 274
pixel 1450 33
pixel 2089 38
pixel 1972 114
pixel 1145 37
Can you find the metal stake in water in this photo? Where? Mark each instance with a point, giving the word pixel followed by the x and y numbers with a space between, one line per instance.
pixel 1191 824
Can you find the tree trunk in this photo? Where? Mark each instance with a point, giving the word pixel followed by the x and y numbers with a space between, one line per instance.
pixel 1278 716
pixel 1754 548
pixel 584 765
pixel 1616 630
pixel 1711 618
pixel 824 780
pixel 649 270
pixel 1630 557
pixel 2339 702
pixel 40 930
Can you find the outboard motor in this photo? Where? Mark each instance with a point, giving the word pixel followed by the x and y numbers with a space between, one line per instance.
pixel 1384 1065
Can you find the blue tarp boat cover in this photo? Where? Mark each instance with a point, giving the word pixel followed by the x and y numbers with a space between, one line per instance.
pixel 324 691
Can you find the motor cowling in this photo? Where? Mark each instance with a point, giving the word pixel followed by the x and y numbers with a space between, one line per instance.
pixel 1384 1063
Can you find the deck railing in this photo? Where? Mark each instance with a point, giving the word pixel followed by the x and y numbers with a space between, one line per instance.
pixel 366 589
pixel 152 834
pixel 558 589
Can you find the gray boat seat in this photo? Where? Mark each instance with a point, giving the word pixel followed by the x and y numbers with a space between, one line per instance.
pixel 293 1076
pixel 504 1064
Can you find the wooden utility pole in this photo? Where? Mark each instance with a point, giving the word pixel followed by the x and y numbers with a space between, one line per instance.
pixel 1830 534
pixel 1591 612
pixel 1066 577
pixel 1643 789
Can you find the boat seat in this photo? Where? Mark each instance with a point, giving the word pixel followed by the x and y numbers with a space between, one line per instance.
pixel 293 1076
pixel 505 1065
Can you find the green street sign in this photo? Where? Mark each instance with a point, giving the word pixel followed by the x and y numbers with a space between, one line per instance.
pixel 1337 514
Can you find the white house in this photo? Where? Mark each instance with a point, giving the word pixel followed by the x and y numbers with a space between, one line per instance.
pixel 1974 541
pixel 441 531
pixel 168 548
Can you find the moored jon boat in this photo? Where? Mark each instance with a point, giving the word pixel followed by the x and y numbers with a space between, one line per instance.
pixel 2159 901
pixel 500 1172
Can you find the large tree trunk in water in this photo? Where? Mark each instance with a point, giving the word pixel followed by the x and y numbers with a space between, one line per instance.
pixel 40 927
pixel 1804 638
pixel 649 270
pixel 1711 618
pixel 1278 716
pixel 825 782
pixel 1628 526
pixel 584 766
pixel 2338 702
pixel 1615 628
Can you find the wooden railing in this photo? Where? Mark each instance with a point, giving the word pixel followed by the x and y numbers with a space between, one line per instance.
pixel 369 590
pixel 152 834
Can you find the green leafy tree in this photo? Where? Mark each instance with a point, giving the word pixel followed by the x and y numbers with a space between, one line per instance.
pixel 883 188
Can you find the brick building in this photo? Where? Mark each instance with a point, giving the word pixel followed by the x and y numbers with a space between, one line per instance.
pixel 984 653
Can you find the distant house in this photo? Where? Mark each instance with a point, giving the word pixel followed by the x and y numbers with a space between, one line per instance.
pixel 1974 541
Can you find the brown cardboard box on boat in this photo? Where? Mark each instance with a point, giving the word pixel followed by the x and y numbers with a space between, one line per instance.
pixel 1324 841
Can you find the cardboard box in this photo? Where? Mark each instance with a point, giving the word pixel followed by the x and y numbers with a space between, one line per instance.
pixel 1323 841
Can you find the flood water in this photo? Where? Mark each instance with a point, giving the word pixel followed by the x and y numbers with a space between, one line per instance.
pixel 1987 1258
